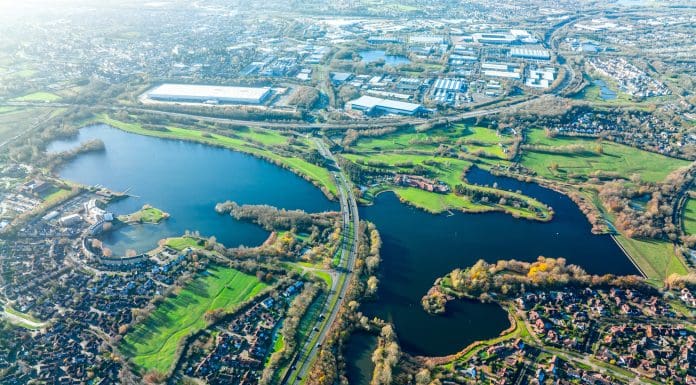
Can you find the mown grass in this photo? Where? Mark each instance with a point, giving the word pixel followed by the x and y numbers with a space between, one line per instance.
pixel 447 170
pixel 315 173
pixel 153 344
pixel 437 203
pixel 145 215
pixel 19 314
pixel 472 139
pixel 57 195
pixel 616 158
pixel 279 343
pixel 38 97
pixel 690 217
pixel 591 93
pixel 657 259
pixel 181 243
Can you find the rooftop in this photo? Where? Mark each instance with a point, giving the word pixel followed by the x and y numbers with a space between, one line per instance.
pixel 369 102
pixel 209 92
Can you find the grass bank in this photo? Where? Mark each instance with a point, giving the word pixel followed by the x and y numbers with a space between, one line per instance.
pixel 145 215
pixel 690 216
pixel 154 344
pixel 656 259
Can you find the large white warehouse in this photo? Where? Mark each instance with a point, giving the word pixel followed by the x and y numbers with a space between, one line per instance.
pixel 370 105
pixel 209 94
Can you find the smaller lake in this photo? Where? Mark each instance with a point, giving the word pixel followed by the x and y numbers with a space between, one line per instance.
pixel 374 55
pixel 185 179
pixel 359 365
pixel 605 93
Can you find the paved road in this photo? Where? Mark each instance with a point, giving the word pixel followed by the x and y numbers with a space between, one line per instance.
pixel 349 210
pixel 362 123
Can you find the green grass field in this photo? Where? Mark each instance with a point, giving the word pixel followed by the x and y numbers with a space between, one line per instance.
pixel 145 215
pixel 591 93
pixel 690 217
pixel 315 173
pixel 180 243
pixel 154 343
pixel 38 97
pixel 623 160
pixel 465 138
pixel 656 258
pixel 56 195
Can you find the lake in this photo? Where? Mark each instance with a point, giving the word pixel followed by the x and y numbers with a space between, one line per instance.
pixel 186 180
pixel 605 93
pixel 419 247
pixel 359 365
pixel 374 55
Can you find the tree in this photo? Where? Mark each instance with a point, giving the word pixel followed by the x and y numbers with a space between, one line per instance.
pixel 372 284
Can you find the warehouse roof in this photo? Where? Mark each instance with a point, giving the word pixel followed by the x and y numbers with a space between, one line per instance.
pixel 369 102
pixel 211 92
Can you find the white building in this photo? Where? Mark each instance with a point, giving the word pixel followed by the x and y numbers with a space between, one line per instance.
pixel 540 77
pixel 446 90
pixel 371 105
pixel 70 220
pixel 530 53
pixel 209 94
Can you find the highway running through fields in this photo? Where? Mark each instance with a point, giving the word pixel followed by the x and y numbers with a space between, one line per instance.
pixel 303 360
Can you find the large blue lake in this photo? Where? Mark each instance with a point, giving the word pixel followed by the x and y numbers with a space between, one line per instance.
pixel 186 180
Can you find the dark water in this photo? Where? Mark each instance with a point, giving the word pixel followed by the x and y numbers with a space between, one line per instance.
pixel 605 93
pixel 419 247
pixel 186 180
pixel 359 358
pixel 378 54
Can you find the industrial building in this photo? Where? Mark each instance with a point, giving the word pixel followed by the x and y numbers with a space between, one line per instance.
pixel 530 53
pixel 371 105
pixel 494 38
pixel 70 220
pixel 209 94
pixel 445 90
pixel 540 77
